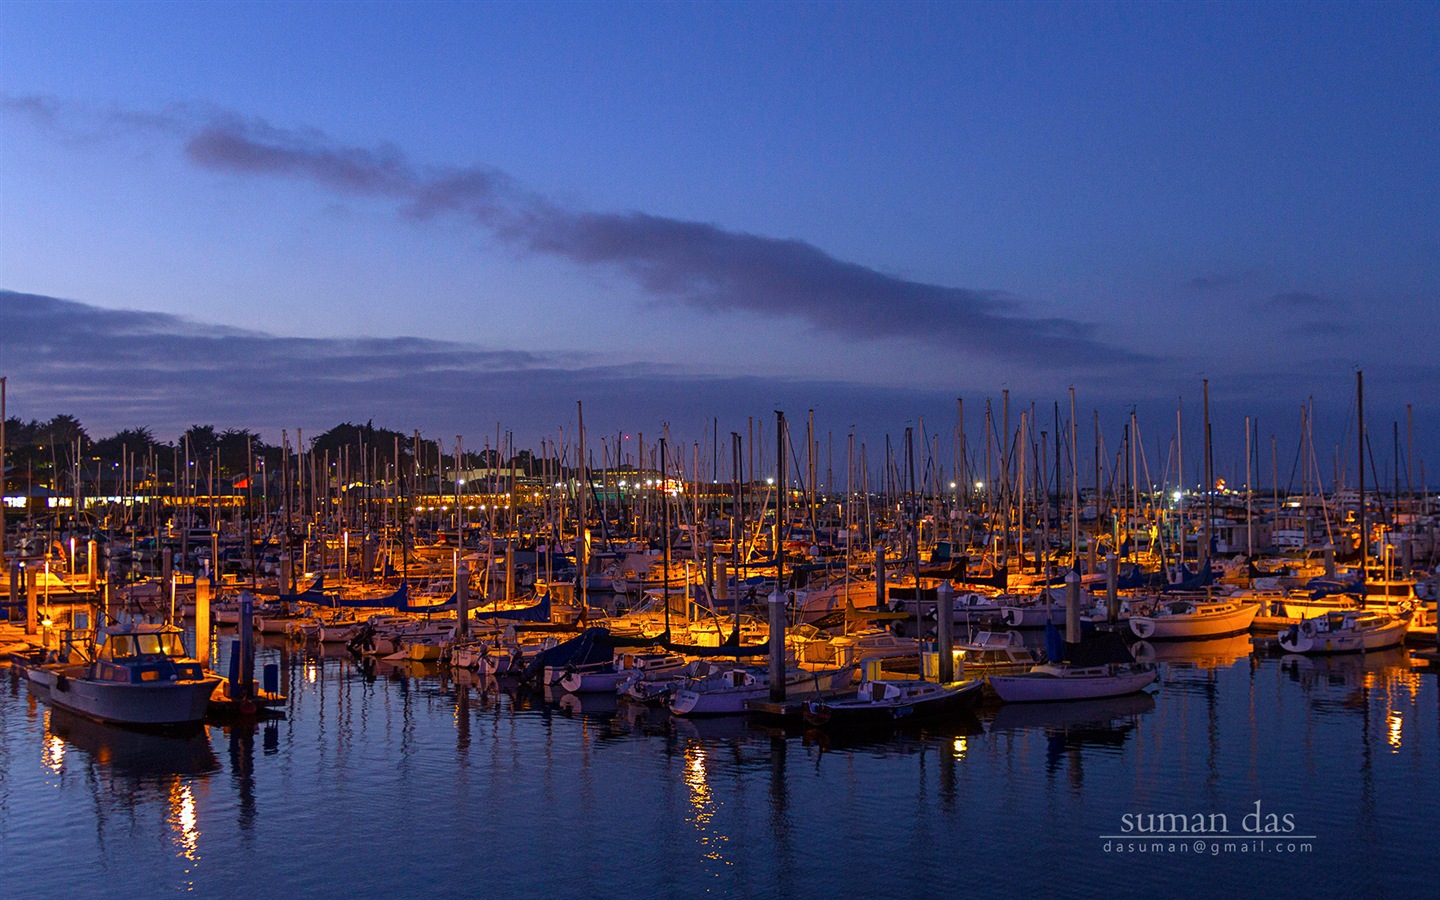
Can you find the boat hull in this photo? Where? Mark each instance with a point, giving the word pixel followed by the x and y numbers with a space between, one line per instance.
pixel 157 703
pixel 1390 635
pixel 1195 627
pixel 855 713
pixel 1038 687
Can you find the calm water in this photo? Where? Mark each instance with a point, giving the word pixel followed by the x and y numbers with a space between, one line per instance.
pixel 399 780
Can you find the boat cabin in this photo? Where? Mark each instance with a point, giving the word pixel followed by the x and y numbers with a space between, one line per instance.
pixel 135 654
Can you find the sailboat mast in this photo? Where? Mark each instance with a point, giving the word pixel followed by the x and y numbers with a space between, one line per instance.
pixel 1360 441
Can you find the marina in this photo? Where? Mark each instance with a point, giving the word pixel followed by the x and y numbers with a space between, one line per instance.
pixel 404 777
pixel 810 451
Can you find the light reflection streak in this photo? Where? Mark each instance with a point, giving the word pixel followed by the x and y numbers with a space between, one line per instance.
pixel 52 754
pixel 703 801
pixel 1395 723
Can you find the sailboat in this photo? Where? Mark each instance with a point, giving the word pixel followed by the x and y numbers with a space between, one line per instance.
pixel 1346 631
pixel 1099 666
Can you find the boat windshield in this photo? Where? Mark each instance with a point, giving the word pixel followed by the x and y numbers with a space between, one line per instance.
pixel 162 644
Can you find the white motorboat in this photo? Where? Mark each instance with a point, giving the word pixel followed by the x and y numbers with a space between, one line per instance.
pixel 998 653
pixel 606 677
pixel 1178 620
pixel 871 643
pixel 887 702
pixel 726 692
pixel 1345 631
pixel 141 676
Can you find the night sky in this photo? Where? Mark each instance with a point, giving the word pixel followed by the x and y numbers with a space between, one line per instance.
pixel 447 216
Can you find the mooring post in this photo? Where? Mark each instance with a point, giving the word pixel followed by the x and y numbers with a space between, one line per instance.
pixel 246 669
pixel 202 620
pixel 777 645
pixel 944 625
pixel 462 599
pixel 1112 588
pixel 14 607
pixel 880 599
pixel 1072 607
pixel 31 592
pixel 167 578
pixel 92 567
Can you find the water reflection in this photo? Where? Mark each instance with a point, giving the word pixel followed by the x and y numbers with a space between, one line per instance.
pixel 137 756
pixel 1076 727
pixel 1213 653
pixel 702 803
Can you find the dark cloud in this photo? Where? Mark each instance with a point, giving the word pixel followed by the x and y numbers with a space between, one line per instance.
pixel 115 369
pixel 696 264
pixel 118 368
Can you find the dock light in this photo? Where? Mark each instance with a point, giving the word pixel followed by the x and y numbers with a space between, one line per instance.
pixel 952 485
pixel 979 485
pixel 770 481
pixel 1175 496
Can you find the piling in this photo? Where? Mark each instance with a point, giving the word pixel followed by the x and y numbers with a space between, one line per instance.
pixel 880 599
pixel 245 669
pixel 1329 562
pixel 167 578
pixel 31 596
pixel 202 620
pixel 92 566
pixel 462 599
pixel 944 626
pixel 710 569
pixel 369 549
pixel 1112 588
pixel 15 571
pixel 285 583
pixel 1072 607
pixel 722 586
pixel 509 571
pixel 777 646
pixel 215 558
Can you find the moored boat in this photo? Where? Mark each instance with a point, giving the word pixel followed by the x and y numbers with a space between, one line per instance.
pixel 1062 681
pixel 1346 631
pixel 726 692
pixel 605 677
pixel 1178 620
pixel 141 676
pixel 888 701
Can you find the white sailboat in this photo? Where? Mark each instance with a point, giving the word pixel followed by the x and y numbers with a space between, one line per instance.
pixel 1345 631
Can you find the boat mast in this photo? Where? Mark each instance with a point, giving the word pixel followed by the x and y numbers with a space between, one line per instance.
pixel 1360 441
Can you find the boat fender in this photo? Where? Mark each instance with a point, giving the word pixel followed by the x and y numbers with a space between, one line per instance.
pixel 62 683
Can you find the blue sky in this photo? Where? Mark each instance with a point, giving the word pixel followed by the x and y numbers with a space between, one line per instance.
pixel 867 209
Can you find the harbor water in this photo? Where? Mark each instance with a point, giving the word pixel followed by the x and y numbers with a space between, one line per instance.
pixel 1242 774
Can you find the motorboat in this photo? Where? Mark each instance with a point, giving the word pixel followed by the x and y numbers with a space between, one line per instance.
pixel 141 675
pixel 1178 620
pixel 998 653
pixel 605 677
pixel 890 701
pixel 726 692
